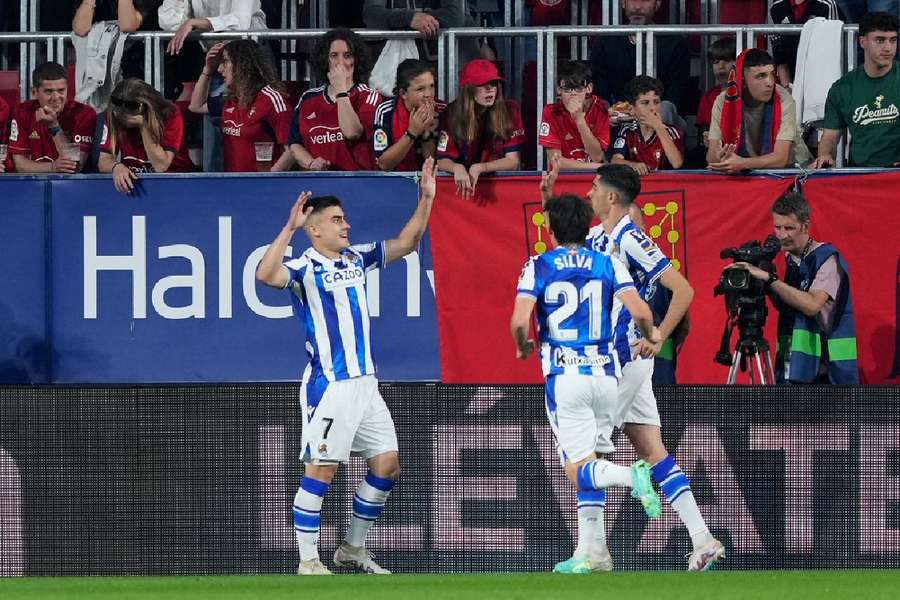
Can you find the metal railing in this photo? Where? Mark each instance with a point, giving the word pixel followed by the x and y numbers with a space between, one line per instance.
pixel 448 49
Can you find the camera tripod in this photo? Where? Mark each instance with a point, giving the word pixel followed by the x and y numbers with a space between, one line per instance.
pixel 757 352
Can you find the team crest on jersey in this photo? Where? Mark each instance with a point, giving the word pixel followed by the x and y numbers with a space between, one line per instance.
pixel 619 143
pixel 443 141
pixel 252 112
pixel 545 129
pixel 323 449
pixel 380 140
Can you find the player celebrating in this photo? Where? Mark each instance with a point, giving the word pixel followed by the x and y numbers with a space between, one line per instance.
pixel 574 288
pixel 342 408
pixel 613 191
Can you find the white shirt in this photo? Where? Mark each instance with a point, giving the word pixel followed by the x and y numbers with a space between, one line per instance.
pixel 224 15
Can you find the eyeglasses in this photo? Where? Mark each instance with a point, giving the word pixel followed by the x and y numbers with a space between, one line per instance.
pixel 574 90
pixel 132 106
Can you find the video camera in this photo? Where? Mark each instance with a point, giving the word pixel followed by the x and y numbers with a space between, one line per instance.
pixel 745 296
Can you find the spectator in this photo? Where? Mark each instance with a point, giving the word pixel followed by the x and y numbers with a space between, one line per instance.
pixel 327 130
pixel 613 61
pixel 50 133
pixel 795 12
pixel 143 133
pixel 481 131
pixel 721 55
pixel 756 128
pixel 575 129
pixel 646 143
pixel 102 56
pixel 185 16
pixel 865 101
pixel 427 17
pixel 404 125
pixel 4 134
pixel 816 327
pixel 254 113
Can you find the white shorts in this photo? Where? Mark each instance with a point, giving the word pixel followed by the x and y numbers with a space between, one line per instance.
pixel 346 417
pixel 637 403
pixel 581 409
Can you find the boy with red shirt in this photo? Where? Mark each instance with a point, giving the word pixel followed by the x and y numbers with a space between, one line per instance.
pixel 647 144
pixel 575 129
pixel 721 54
pixel 42 129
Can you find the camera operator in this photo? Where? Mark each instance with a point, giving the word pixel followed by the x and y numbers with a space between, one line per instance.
pixel 816 332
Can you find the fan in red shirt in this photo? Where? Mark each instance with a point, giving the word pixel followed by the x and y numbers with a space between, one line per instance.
pixel 50 134
pixel 647 144
pixel 481 131
pixel 575 129
pixel 255 112
pixel 405 126
pixel 328 131
pixel 4 133
pixel 721 56
pixel 143 133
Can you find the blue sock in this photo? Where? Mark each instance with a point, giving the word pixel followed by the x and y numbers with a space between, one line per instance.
pixel 307 509
pixel 677 490
pixel 368 504
pixel 591 530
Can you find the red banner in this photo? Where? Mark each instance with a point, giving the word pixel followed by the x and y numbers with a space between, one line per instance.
pixel 480 246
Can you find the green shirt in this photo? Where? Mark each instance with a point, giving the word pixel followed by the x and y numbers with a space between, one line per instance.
pixel 870 109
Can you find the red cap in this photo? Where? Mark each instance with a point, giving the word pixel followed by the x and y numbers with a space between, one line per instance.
pixel 479 72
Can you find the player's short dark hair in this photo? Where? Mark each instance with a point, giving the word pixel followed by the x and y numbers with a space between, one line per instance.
pixel 878 21
pixel 408 70
pixel 570 218
pixel 757 58
pixel 722 49
pixel 320 203
pixel 48 71
pixel 623 179
pixel 792 203
pixel 362 67
pixel 573 74
pixel 642 84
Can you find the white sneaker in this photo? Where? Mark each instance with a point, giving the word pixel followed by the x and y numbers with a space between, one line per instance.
pixel 707 555
pixel 313 566
pixel 358 559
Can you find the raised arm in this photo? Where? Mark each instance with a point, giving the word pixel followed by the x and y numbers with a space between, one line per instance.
pixel 271 270
pixel 408 238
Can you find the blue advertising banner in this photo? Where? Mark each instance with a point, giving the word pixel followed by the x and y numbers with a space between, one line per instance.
pixel 160 287
pixel 24 351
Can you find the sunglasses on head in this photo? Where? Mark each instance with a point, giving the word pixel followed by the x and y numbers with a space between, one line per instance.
pixel 132 106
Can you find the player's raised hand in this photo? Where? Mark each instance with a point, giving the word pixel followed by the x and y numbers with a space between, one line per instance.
pixel 548 180
pixel 428 183
pixel 300 211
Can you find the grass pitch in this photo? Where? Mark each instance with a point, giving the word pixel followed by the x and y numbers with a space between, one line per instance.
pixel 779 585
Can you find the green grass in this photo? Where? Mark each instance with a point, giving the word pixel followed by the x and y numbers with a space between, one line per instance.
pixel 780 585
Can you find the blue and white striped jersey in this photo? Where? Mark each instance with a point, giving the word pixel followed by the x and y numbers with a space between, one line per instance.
pixel 645 262
pixel 329 298
pixel 574 289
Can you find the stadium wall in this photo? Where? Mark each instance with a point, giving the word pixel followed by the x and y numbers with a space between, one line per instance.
pixel 200 479
pixel 97 286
